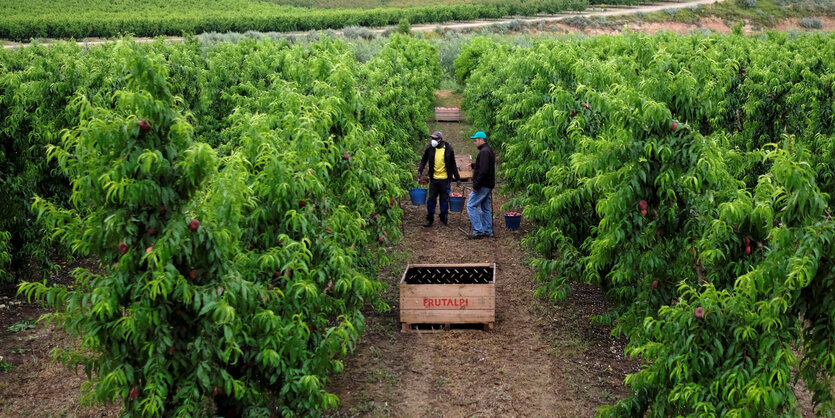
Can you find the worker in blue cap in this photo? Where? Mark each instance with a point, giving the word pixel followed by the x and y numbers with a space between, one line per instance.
pixel 484 180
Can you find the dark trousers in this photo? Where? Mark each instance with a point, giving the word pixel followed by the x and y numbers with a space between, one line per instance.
pixel 437 188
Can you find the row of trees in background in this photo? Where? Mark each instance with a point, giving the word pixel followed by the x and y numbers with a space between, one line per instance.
pixel 239 199
pixel 377 4
pixel 691 177
pixel 22 20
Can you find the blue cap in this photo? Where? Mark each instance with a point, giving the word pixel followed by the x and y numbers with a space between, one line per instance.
pixel 479 134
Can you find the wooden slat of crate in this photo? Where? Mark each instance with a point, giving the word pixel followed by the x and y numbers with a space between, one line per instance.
pixel 447 114
pixel 481 316
pixel 493 265
pixel 450 304
pixel 449 290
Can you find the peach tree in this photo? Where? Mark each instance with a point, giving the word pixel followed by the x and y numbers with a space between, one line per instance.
pixel 160 324
pixel 730 343
pixel 157 322
pixel 642 161
pixel 323 195
pixel 37 86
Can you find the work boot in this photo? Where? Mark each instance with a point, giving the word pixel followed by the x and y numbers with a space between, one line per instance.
pixel 430 219
pixel 444 218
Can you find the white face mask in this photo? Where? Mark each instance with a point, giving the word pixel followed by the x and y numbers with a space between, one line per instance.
pixel 434 143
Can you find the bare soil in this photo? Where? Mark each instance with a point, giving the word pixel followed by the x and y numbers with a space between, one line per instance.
pixel 448 98
pixel 37 386
pixel 539 360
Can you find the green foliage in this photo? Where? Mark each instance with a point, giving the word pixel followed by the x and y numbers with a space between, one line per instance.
pixel 404 26
pixel 468 57
pixel 690 178
pixel 5 255
pixel 35 86
pixel 21 326
pixel 21 20
pixel 233 277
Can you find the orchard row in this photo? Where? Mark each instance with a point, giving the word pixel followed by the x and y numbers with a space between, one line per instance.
pixel 691 178
pixel 24 19
pixel 238 198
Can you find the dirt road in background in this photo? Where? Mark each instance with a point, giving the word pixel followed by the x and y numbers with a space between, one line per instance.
pixel 607 11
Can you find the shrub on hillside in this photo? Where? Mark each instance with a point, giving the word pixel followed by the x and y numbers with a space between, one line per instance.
pixel 357 32
pixel 811 23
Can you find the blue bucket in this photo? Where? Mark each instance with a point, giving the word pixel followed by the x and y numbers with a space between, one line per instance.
pixel 512 222
pixel 456 203
pixel 418 196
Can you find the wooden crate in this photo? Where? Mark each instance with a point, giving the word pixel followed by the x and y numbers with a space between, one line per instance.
pixel 447 114
pixel 464 164
pixel 448 294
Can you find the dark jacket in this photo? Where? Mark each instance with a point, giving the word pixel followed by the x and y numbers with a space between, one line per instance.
pixel 449 161
pixel 484 169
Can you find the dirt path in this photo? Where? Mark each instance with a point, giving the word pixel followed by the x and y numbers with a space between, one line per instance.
pixel 537 361
pixel 611 11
